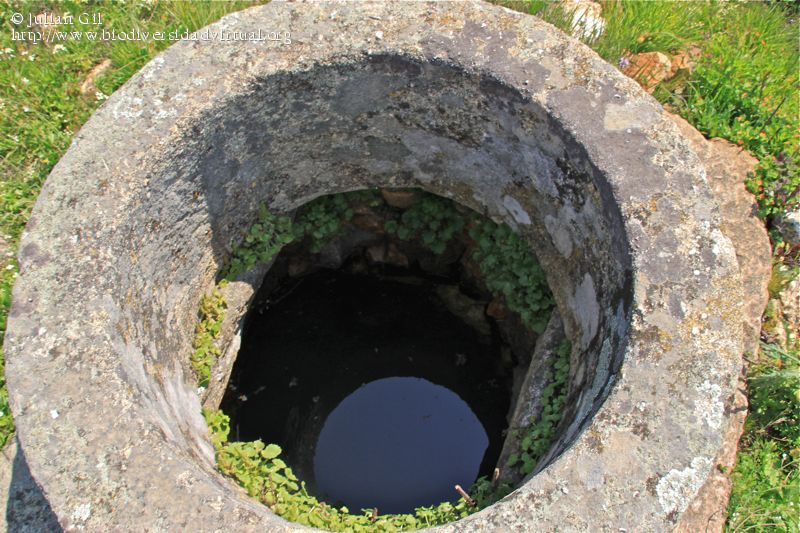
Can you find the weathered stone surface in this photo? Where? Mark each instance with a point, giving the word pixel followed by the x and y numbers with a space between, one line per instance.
pixel 709 510
pixel 467 309
pixel 684 60
pixel 27 510
pixel 587 22
pixel 789 309
pixel 496 309
pixel 648 68
pixel 727 166
pixel 789 226
pixel 399 199
pixel 491 108
pixel 238 295
pixel 526 405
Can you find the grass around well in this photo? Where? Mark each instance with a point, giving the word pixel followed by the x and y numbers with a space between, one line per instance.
pixel 744 89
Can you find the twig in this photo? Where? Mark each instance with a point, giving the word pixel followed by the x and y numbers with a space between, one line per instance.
pixel 463 493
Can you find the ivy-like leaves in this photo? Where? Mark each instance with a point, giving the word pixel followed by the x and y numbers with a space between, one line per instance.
pixel 511 270
pixel 262 242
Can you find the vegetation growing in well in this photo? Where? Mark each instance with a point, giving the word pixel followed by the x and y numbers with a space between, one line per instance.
pixel 261 244
pixel 432 220
pixel 509 267
pixel 205 350
pixel 263 474
pixel 744 89
pixel 436 222
pixel 511 270
pixel 321 220
pixel 536 439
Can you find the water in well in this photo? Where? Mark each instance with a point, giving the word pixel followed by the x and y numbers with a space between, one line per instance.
pixel 397 442
pixel 379 396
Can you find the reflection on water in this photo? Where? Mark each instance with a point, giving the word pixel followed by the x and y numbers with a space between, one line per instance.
pixel 396 444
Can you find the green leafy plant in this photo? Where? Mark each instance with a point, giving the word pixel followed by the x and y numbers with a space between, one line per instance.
pixel 322 219
pixel 431 219
pixel 511 270
pixel 212 312
pixel 538 437
pixel 259 469
pixel 262 242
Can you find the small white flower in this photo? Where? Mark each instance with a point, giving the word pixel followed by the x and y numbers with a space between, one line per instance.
pixel 59 48
pixel 9 267
pixel 8 51
pixel 26 109
pixel 26 81
pixel 2 413
pixel 32 57
pixel 100 96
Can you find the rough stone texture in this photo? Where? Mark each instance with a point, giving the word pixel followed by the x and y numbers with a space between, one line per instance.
pixel 789 298
pixel 27 509
pixel 587 24
pixel 684 60
pixel 399 199
pixel 494 109
pixel 238 294
pixel 709 510
pixel 649 69
pixel 527 404
pixel 727 167
pixel 789 226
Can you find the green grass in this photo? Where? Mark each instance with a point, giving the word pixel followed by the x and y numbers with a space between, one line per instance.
pixel 766 480
pixel 744 89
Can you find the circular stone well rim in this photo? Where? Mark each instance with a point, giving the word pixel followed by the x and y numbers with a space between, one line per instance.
pixel 109 424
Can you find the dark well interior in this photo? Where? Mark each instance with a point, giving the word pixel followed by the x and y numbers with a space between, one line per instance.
pixel 365 314
pixel 394 122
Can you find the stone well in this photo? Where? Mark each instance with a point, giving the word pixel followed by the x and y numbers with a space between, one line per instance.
pixel 494 109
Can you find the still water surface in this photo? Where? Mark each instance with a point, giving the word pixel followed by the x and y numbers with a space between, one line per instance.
pixel 398 443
